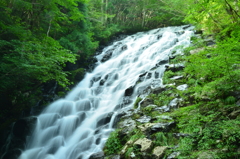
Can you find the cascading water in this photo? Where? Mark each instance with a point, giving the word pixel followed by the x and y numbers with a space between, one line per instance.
pixel 77 126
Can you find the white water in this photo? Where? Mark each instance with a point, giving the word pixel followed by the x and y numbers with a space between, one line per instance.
pixel 77 126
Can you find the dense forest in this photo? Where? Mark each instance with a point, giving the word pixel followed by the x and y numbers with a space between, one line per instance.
pixel 53 41
pixel 41 40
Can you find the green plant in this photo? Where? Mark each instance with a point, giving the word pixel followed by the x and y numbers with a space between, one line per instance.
pixel 137 102
pixel 113 144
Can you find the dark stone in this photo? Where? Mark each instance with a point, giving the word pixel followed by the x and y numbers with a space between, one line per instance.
pixel 103 80
pixel 163 127
pixel 129 91
pixel 187 26
pixel 98 155
pixel 125 101
pixel 107 56
pixel 106 118
pixel 163 62
pixel 174 67
pixel 124 47
pixel 159 37
pixel 158 90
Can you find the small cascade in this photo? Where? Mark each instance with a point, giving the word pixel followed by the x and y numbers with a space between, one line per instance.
pixel 78 125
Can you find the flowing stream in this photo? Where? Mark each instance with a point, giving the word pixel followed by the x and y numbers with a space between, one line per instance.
pixel 79 124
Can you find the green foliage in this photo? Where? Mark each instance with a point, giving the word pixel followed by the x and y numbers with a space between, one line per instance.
pixel 113 144
pixel 137 102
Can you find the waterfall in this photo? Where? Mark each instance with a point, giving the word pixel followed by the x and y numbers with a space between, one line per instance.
pixel 79 124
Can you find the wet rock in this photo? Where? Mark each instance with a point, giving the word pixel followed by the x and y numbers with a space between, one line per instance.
pixel 163 62
pixel 175 67
pixel 145 144
pixel 174 103
pixel 159 151
pixel 176 77
pixel 146 126
pixel 173 155
pixel 127 126
pixel 143 90
pixel 102 82
pixel 162 109
pixel 182 87
pixel 144 119
pixel 106 118
pixel 178 135
pixel 159 90
pixel 129 91
pixel 107 56
pixel 162 127
pixel 124 47
pixel 165 117
pixel 98 155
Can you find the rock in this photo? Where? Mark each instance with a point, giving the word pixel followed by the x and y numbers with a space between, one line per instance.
pixel 159 151
pixel 174 103
pixel 146 102
pixel 98 155
pixel 127 126
pixel 123 151
pixel 165 61
pixel 129 91
pixel 182 87
pixel 144 119
pixel 159 90
pixel 173 155
pixel 146 126
pixel 165 117
pixel 163 127
pixel 164 108
pixel 124 47
pixel 175 67
pixel 107 55
pixel 176 77
pixel 145 144
pixel 178 135
pixel 106 118
pixel 205 155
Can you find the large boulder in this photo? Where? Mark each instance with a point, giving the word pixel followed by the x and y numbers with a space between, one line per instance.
pixel 162 127
pixel 159 151
pixel 98 155
pixel 145 144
